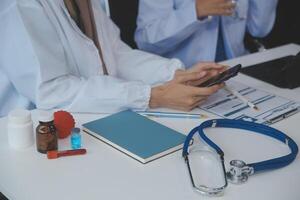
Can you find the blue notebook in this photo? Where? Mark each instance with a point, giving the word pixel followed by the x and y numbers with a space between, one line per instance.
pixel 135 135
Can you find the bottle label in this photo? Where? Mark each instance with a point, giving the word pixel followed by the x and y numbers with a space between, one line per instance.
pixel 46 138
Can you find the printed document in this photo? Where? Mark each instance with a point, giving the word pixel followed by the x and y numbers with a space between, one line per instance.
pixel 272 108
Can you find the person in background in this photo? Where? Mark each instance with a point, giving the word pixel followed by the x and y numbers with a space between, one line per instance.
pixel 67 54
pixel 193 30
pixel 105 6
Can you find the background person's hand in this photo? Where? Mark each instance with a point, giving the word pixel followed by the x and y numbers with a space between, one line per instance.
pixel 214 7
pixel 176 94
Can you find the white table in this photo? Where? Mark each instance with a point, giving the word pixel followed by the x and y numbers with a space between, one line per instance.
pixel 105 173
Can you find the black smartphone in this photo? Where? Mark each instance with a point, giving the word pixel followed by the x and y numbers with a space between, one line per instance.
pixel 224 76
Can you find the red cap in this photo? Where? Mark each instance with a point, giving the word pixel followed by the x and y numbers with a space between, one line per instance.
pixel 52 154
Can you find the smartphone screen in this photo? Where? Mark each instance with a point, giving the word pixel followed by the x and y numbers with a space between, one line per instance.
pixel 224 76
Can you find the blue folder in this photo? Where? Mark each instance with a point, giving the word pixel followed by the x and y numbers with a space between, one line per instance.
pixel 135 135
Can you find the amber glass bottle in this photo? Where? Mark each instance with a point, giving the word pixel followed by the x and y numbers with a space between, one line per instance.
pixel 46 134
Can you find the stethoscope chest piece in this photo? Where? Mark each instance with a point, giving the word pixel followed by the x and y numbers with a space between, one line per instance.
pixel 238 172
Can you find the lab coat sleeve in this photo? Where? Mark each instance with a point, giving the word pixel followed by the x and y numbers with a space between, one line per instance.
pixel 261 17
pixel 136 65
pixel 97 94
pixel 161 27
pixel 14 60
pixel 54 86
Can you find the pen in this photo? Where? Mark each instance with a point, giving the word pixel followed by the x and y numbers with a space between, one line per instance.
pixel 172 115
pixel 241 97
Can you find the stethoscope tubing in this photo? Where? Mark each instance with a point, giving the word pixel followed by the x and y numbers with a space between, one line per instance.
pixel 253 127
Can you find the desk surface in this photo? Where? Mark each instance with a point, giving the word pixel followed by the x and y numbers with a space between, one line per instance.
pixel 105 173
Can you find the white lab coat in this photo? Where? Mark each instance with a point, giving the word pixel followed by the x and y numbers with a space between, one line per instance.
pixel 48 62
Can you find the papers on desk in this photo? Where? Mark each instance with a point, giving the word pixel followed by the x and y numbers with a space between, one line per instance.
pixel 272 108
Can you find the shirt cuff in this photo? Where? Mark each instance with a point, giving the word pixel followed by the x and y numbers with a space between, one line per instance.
pixel 176 65
pixel 205 19
pixel 167 71
pixel 141 98
pixel 192 13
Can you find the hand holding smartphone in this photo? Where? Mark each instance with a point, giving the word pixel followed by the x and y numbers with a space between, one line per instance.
pixel 222 77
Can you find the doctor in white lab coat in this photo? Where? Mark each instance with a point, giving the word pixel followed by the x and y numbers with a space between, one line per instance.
pixel 47 62
pixel 194 30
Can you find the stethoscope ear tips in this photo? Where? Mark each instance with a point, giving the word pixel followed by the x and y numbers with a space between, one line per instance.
pixel 239 172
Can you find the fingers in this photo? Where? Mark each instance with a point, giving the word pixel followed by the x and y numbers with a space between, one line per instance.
pixel 191 107
pixel 190 76
pixel 198 97
pixel 197 80
pixel 206 91
pixel 223 7
pixel 192 103
pixel 227 8
pixel 211 69
pixel 180 96
pixel 202 97
pixel 198 103
pixel 194 97
pixel 207 77
pixel 230 5
pixel 204 66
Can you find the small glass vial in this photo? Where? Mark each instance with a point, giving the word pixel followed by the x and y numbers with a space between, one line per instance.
pixel 46 134
pixel 75 138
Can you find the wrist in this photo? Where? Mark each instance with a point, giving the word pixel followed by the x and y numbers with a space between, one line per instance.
pixel 178 72
pixel 154 101
pixel 200 14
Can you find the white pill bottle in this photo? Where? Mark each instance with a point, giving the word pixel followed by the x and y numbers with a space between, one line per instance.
pixel 20 129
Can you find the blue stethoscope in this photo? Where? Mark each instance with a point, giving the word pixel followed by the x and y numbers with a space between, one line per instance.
pixel 239 171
